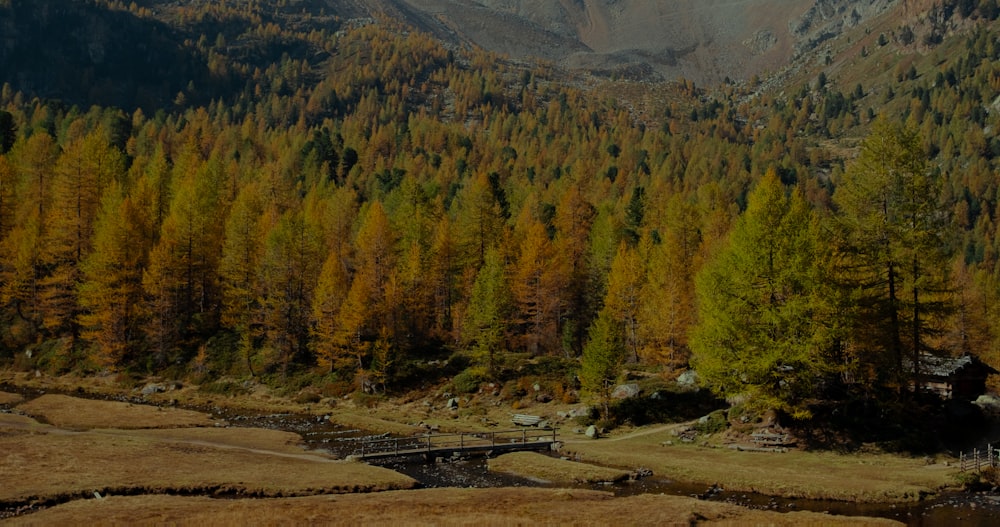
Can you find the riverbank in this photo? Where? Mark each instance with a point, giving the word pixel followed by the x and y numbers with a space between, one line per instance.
pixel 438 507
pixel 140 449
pixel 868 477
pixel 856 477
pixel 112 462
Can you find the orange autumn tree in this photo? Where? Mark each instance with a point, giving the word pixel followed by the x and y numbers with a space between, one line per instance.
pixel 86 166
pixel 111 291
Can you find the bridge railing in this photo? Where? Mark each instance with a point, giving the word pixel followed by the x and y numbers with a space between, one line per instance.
pixel 457 441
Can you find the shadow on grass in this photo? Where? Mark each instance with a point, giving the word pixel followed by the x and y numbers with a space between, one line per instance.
pixel 918 427
pixel 664 407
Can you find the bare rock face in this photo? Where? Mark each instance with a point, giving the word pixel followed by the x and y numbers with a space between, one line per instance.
pixel 703 40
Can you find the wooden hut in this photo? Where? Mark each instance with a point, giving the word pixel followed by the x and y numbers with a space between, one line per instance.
pixel 962 378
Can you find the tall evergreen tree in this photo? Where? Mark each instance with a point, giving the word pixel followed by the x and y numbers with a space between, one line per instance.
pixel 111 290
pixel 623 300
pixel 892 254
pixel 759 336
pixel 239 267
pixel 488 316
pixel 289 268
pixel 87 165
pixel 603 356
pixel 536 284
pixel 23 267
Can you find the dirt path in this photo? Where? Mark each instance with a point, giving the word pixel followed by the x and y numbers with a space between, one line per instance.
pixel 631 435
pixel 317 458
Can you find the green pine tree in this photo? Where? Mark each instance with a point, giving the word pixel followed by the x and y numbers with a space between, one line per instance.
pixel 759 335
pixel 602 358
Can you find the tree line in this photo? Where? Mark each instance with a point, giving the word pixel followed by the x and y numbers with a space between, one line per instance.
pixel 399 201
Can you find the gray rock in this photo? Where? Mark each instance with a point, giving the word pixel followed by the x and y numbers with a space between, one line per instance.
pixel 624 391
pixel 152 388
pixel 688 380
pixel 592 432
pixel 989 403
pixel 453 403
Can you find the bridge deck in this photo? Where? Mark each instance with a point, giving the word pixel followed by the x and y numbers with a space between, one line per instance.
pixel 463 443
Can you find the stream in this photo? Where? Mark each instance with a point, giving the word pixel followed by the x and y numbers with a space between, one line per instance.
pixel 980 509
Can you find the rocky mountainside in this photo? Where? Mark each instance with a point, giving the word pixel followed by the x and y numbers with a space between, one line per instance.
pixel 703 40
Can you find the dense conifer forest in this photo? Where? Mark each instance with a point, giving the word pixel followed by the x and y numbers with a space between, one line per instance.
pixel 233 189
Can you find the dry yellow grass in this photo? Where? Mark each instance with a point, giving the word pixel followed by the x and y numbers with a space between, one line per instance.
pixel 10 398
pixel 50 462
pixel 824 475
pixel 356 418
pixel 870 478
pixel 444 507
pixel 72 412
pixel 544 468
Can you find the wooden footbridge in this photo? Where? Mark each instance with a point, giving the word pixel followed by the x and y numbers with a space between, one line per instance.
pixel 432 446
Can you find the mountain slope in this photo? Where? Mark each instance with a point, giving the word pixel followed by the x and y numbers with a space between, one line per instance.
pixel 704 41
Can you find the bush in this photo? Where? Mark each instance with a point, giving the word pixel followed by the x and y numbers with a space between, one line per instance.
pixel 990 476
pixel 549 366
pixel 366 400
pixel 469 380
pixel 335 388
pixel 664 407
pixel 59 356
pixel 712 423
pixel 969 480
pixel 307 396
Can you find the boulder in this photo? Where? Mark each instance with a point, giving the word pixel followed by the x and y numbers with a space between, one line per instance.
pixel 152 388
pixel 624 391
pixel 453 403
pixel 989 404
pixel 688 380
pixel 592 432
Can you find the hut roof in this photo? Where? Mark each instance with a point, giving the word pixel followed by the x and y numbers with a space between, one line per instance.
pixel 936 366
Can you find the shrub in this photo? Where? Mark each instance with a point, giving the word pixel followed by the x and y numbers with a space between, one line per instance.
pixel 307 396
pixel 990 476
pixel 366 400
pixel 469 380
pixel 55 356
pixel 712 423
pixel 968 480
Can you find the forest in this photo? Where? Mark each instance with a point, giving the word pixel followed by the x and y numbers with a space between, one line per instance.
pixel 347 205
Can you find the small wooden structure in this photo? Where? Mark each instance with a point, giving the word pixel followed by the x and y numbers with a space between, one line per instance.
pixel 961 378
pixel 526 420
pixel 431 446
pixel 979 459
pixel 765 438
